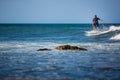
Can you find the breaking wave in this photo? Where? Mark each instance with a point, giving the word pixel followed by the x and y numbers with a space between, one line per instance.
pixel 115 29
pixel 116 37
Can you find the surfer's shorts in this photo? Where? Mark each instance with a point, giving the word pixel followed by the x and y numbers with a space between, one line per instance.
pixel 96 24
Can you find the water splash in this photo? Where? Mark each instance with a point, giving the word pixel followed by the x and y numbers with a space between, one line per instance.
pixel 116 37
pixel 103 31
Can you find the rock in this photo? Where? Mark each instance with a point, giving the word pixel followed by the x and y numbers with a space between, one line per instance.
pixel 68 47
pixel 43 49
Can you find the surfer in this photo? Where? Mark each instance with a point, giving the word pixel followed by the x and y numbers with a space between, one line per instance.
pixel 95 23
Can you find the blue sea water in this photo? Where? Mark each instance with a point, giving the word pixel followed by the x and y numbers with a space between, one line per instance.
pixel 20 59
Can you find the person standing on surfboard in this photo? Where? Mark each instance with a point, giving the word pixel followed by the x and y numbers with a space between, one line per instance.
pixel 95 23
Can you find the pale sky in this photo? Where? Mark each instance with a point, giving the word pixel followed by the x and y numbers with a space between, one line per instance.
pixel 58 11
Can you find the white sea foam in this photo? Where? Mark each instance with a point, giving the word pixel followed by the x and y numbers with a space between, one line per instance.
pixel 31 47
pixel 116 37
pixel 114 28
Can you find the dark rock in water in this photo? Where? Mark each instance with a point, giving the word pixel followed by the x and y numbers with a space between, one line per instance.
pixel 64 47
pixel 68 47
pixel 43 49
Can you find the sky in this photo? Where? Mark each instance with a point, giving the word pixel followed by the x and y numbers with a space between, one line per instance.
pixel 58 11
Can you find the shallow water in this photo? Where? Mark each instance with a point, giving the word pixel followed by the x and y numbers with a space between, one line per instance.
pixel 19 57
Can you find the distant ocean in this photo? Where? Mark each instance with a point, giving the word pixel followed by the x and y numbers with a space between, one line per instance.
pixel 19 57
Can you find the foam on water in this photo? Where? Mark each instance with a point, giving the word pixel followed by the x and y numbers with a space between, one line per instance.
pixel 116 37
pixel 31 47
pixel 114 28
pixel 111 29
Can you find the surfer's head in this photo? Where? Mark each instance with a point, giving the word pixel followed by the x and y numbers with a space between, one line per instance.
pixel 95 16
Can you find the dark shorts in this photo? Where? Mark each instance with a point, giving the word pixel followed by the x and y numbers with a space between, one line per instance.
pixel 96 24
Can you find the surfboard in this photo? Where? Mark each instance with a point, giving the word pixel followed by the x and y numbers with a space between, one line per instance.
pixel 95 33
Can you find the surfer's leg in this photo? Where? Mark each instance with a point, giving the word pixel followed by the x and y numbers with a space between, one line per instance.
pixel 95 28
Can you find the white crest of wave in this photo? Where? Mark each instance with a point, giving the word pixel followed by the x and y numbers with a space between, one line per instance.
pixel 114 28
pixel 103 31
pixel 116 37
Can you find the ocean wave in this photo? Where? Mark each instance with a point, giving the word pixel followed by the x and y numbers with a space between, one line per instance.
pixel 116 37
pixel 109 30
pixel 114 28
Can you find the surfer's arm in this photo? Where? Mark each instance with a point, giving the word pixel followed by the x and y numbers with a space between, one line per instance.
pixel 93 21
pixel 102 21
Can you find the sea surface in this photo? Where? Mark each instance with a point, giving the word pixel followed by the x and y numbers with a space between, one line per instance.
pixel 19 58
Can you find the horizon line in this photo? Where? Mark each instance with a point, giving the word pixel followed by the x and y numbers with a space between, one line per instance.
pixel 58 23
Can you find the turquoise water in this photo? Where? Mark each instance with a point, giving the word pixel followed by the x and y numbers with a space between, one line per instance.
pixel 19 57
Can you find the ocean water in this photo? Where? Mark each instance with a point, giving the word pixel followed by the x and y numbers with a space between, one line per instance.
pixel 19 58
